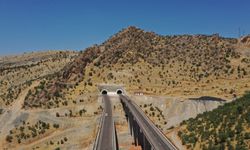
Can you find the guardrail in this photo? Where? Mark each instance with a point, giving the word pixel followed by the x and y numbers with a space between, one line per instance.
pixel 99 129
pixel 114 137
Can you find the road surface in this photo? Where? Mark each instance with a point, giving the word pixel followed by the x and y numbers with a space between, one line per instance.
pixel 105 141
pixel 157 140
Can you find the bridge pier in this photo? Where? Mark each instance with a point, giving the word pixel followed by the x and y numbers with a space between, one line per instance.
pixel 130 123
pixel 146 144
pixel 140 139
pixel 135 131
pixel 116 139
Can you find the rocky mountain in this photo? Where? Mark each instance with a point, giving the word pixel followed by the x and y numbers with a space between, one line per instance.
pixel 153 63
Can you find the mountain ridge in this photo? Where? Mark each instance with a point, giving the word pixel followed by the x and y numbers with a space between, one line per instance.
pixel 192 58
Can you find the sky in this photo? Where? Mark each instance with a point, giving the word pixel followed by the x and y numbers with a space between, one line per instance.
pixel 34 25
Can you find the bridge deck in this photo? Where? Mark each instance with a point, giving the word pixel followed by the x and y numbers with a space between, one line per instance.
pixel 157 140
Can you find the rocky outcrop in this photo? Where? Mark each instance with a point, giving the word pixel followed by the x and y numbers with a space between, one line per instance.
pixel 245 40
pixel 69 76
pixel 178 110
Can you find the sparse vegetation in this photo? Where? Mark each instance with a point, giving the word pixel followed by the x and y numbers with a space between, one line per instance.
pixel 155 114
pixel 226 127
pixel 56 126
pixel 163 64
pixel 27 132
pixel 18 72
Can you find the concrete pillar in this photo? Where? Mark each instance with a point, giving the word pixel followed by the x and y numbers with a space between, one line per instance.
pixel 140 139
pixel 130 119
pixel 116 139
pixel 147 145
pixel 126 115
pixel 135 131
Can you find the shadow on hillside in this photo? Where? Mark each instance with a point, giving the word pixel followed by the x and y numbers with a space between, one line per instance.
pixel 208 98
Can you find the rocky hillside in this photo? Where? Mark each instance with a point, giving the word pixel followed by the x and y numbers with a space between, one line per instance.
pixel 226 127
pixel 246 41
pixel 18 72
pixel 169 112
pixel 197 65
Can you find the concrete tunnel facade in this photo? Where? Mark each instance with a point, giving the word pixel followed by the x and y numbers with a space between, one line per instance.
pixel 111 89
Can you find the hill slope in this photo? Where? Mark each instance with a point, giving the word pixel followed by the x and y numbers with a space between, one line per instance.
pixel 17 72
pixel 227 127
pixel 183 65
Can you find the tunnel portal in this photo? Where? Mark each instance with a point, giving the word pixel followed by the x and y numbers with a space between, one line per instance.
pixel 111 89
pixel 104 92
pixel 119 91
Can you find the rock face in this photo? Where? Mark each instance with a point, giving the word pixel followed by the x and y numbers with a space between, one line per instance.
pixel 76 68
pixel 177 110
pixel 246 40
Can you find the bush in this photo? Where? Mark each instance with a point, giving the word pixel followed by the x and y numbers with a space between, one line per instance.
pixel 57 94
pixel 247 135
pixel 56 126
pixel 9 138
pixel 152 108
pixel 65 139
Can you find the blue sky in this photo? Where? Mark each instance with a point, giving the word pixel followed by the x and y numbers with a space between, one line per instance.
pixel 31 25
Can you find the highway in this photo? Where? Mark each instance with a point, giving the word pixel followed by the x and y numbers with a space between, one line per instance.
pixel 157 140
pixel 105 139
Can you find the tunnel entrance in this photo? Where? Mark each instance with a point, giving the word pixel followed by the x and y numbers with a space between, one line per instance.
pixel 119 92
pixel 112 90
pixel 104 92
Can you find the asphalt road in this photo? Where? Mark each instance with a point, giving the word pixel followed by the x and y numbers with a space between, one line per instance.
pixel 154 136
pixel 106 137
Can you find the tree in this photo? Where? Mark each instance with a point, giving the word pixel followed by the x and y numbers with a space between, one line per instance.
pixel 247 135
pixel 19 141
pixel 65 139
pixel 57 114
pixel 82 111
pixel 151 108
pixel 110 76
pixel 57 94
pixel 56 126
pixel 51 143
pixel 9 138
